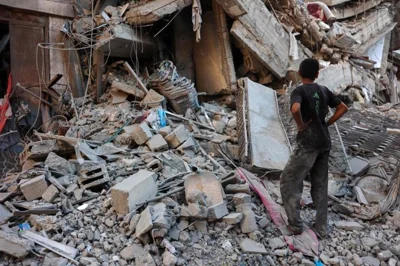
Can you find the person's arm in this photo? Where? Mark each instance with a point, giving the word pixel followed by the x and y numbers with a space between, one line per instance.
pixel 296 112
pixel 335 102
pixel 341 109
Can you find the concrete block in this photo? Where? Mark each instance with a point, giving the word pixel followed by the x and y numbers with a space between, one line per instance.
pixel 34 188
pixel 177 137
pixel 50 194
pixel 13 245
pixel 157 143
pixel 165 131
pixel 133 190
pixel 233 218
pixel 250 246
pixel 241 198
pixel 237 188
pixel 141 133
pixel 218 211
pixel 145 222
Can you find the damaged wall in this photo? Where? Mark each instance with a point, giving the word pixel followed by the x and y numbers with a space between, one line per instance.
pixel 215 71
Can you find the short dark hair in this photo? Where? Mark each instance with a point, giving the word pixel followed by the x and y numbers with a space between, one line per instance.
pixel 309 68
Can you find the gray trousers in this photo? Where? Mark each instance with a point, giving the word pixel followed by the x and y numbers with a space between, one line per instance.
pixel 300 164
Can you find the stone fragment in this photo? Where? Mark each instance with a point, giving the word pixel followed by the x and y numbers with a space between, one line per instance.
pixel 164 131
pixel 276 243
pixel 177 137
pixel 218 211
pixel 169 259
pixel 281 252
pixel 184 237
pixel 157 143
pixel 141 133
pixel 50 194
pixel 52 259
pixel 145 222
pixel 333 261
pixel 13 245
pixel 349 226
pixel 241 198
pixel 201 226
pixel 385 255
pixel 59 164
pixel 369 242
pixel 263 222
pixel 161 216
pixel 237 188
pixel 371 261
pixel 250 246
pixel 132 252
pixel 392 262
pixel 233 218
pixel 34 188
pixel 133 190
pixel 197 211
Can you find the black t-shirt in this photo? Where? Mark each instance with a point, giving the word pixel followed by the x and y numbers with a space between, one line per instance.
pixel 314 100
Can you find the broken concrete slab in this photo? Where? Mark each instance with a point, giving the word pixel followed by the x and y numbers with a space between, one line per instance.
pixel 262 137
pixel 50 194
pixel 357 37
pixel 251 246
pixel 59 164
pixel 133 191
pixel 276 243
pixel 152 11
pixel 157 143
pixel 338 77
pixel 13 245
pixel 34 188
pixel 177 137
pixel 347 11
pixel 237 188
pixel 232 218
pixel 141 133
pixel 117 41
pixel 268 42
pixel 206 182
pixel 145 222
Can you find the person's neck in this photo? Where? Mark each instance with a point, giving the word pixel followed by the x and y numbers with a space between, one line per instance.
pixel 307 81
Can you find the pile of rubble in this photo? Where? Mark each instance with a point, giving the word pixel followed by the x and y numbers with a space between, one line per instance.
pixel 136 170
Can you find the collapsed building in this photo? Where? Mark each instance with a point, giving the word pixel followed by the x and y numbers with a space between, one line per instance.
pixel 153 132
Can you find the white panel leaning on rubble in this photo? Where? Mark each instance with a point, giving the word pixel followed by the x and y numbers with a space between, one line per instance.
pixel 266 139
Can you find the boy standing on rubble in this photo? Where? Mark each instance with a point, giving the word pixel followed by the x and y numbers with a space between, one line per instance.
pixel 309 107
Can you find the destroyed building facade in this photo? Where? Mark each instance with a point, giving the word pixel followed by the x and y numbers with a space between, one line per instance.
pixel 153 132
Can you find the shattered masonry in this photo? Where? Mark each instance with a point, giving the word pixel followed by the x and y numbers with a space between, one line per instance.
pixel 154 132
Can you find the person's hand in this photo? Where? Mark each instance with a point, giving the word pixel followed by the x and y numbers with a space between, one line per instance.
pixel 304 126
